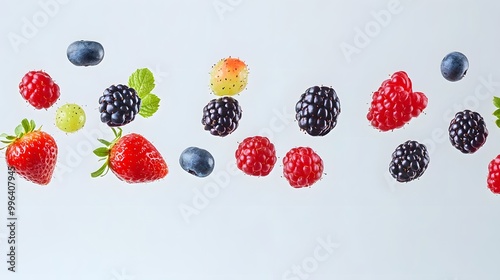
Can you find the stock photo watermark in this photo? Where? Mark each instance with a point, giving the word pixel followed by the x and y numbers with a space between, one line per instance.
pixel 484 91
pixel 121 275
pixel 223 7
pixel 209 191
pixel 364 36
pixel 324 249
pixel 31 26
pixel 202 197
pixel 278 122
pixel 74 155
pixel 159 74
pixel 11 220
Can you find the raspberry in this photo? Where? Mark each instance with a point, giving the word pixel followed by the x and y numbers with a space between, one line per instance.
pixel 302 167
pixel 409 161
pixel 38 88
pixel 317 110
pixel 256 156
pixel 467 131
pixel 221 116
pixel 494 175
pixel 119 105
pixel 394 104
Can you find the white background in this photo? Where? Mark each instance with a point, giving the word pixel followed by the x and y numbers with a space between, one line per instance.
pixel 444 226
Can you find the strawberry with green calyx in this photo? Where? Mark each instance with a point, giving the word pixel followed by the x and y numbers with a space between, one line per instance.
pixel 31 152
pixel 132 158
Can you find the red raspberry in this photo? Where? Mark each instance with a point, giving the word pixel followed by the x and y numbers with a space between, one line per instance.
pixel 256 156
pixel 38 88
pixel 302 167
pixel 394 103
pixel 494 175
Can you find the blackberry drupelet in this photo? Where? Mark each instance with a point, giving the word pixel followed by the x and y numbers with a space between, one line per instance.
pixel 317 110
pixel 409 161
pixel 221 116
pixel 468 131
pixel 119 105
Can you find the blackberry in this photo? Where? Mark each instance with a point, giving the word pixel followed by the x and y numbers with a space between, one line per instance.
pixel 119 105
pixel 317 110
pixel 468 131
pixel 221 116
pixel 409 161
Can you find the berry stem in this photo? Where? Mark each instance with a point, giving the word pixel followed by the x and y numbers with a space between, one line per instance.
pixel 103 153
pixel 101 171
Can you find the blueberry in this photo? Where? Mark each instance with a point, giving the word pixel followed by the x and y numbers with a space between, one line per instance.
pixel 85 53
pixel 196 161
pixel 454 66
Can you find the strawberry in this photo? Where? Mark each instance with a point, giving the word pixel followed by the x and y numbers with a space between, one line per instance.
pixel 493 180
pixel 302 167
pixel 256 156
pixel 32 153
pixel 394 104
pixel 132 158
pixel 38 88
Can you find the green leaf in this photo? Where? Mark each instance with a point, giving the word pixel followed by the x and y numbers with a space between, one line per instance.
pixel 496 101
pixel 100 171
pixel 107 143
pixel 498 123
pixel 19 130
pixel 26 125
pixel 149 105
pixel 497 113
pixel 101 152
pixel 143 81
